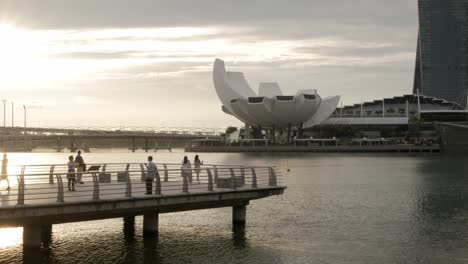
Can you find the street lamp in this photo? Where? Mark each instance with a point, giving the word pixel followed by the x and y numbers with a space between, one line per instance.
pixel 24 107
pixel 4 112
pixel 12 114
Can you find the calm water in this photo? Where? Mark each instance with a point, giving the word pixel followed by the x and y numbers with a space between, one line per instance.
pixel 338 208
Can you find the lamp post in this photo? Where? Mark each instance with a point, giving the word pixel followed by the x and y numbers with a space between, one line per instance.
pixel 24 107
pixel 12 115
pixel 4 112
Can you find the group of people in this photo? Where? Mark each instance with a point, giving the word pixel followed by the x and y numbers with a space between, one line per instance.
pixel 77 166
pixel 73 176
pixel 186 169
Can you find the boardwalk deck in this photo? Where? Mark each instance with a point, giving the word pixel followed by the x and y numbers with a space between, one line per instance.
pixel 36 202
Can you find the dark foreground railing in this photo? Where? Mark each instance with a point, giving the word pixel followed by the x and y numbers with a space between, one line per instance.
pixel 46 184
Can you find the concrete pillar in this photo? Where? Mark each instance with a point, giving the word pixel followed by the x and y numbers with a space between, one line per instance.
pixel 46 233
pixel 239 213
pixel 32 236
pixel 150 224
pixel 129 224
pixel 129 227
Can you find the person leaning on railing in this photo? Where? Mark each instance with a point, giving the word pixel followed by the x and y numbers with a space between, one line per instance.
pixel 150 175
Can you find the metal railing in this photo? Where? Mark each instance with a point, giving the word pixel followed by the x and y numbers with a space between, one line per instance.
pixel 45 184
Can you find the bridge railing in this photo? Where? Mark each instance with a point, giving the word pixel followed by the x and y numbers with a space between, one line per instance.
pixel 107 184
pixel 103 167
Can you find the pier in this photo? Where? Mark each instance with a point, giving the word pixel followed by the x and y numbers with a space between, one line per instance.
pixel 310 145
pixel 39 197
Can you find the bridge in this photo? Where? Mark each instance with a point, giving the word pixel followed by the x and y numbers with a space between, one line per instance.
pixel 39 197
pixel 73 138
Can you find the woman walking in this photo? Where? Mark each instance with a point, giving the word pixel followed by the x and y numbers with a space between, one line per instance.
pixel 4 175
pixel 71 174
pixel 197 163
pixel 187 169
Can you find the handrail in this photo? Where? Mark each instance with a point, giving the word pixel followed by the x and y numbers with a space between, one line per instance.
pixel 127 184
pixel 131 163
pixel 60 193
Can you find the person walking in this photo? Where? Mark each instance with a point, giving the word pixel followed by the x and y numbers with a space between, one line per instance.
pixel 4 175
pixel 187 169
pixel 150 175
pixel 71 174
pixel 197 163
pixel 81 167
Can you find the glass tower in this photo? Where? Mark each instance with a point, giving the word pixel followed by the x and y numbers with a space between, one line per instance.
pixel 441 58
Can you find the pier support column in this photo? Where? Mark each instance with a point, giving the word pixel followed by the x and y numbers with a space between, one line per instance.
pixel 46 234
pixel 239 213
pixel 129 227
pixel 32 236
pixel 150 224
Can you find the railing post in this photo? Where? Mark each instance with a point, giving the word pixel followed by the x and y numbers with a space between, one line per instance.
pixel 166 173
pixel 60 194
pixel 210 180
pixel 128 186
pixel 143 174
pixel 272 178
pixel 184 181
pixel 233 179
pixel 254 178
pixel 215 173
pixel 157 190
pixel 20 189
pixel 51 174
pixel 95 186
pixel 242 177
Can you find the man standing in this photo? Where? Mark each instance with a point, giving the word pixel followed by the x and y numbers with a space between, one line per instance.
pixel 81 167
pixel 150 175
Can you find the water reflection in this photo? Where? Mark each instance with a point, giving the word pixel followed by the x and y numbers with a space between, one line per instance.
pixel 10 237
pixel 443 198
pixel 151 250
pixel 32 255
pixel 238 236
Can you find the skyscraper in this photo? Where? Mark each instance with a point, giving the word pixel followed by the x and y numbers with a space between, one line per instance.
pixel 442 53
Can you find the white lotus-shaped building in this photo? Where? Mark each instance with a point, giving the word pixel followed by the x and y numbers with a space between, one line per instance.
pixel 269 108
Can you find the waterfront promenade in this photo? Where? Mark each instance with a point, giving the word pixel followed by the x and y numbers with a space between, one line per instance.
pixel 317 149
pixel 39 198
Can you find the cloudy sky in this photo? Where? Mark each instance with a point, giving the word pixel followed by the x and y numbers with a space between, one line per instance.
pixel 148 62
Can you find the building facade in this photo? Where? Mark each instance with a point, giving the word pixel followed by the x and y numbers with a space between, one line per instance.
pixel 442 50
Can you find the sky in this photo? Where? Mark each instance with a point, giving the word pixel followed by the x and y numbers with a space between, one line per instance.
pixel 149 63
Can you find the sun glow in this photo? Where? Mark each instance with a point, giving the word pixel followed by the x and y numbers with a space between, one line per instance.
pixel 10 237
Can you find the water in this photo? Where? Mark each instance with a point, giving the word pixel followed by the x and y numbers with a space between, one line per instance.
pixel 338 208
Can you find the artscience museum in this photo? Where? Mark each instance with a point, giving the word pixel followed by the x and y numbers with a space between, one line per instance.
pixel 269 108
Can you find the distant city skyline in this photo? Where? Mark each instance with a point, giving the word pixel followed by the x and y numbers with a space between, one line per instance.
pixel 148 63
